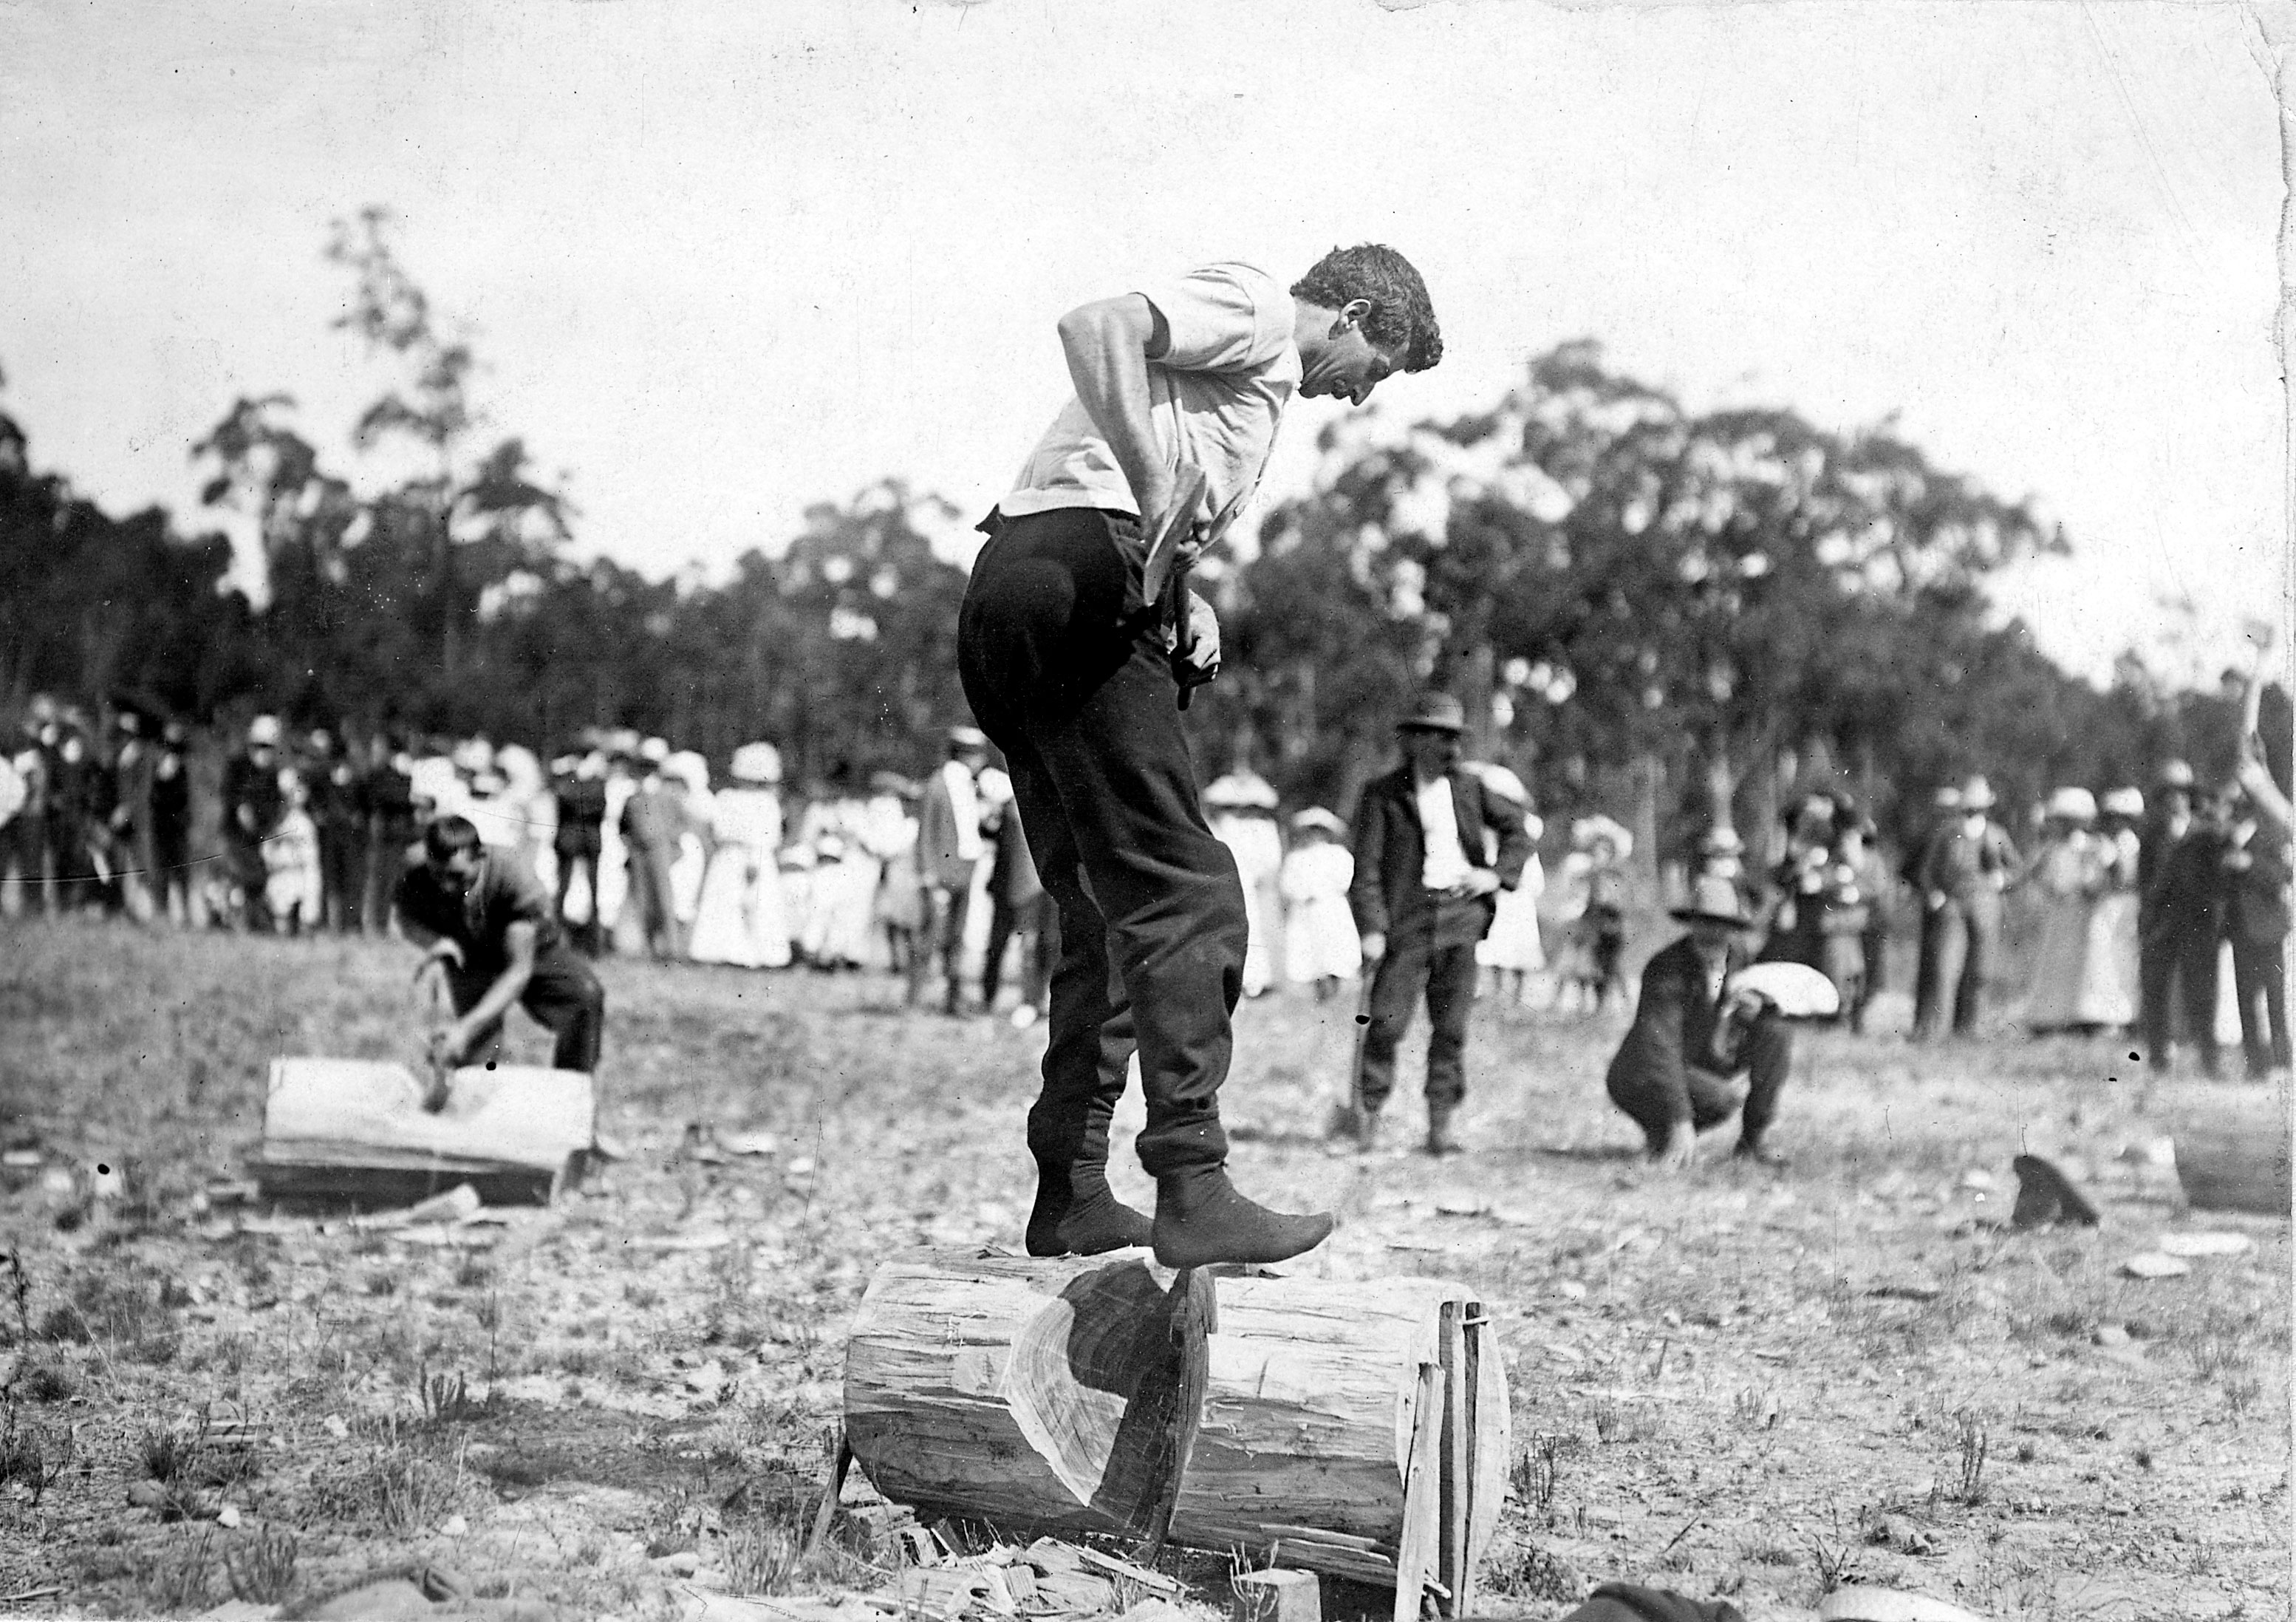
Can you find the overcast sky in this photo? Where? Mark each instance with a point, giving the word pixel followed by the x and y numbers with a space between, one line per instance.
pixel 726 260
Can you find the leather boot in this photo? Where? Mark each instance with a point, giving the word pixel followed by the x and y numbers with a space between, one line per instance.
pixel 1077 1213
pixel 1201 1219
pixel 1442 1140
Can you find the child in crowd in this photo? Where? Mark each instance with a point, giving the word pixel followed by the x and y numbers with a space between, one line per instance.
pixel 1321 947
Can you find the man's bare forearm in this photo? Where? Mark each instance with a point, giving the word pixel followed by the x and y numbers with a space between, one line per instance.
pixel 1108 344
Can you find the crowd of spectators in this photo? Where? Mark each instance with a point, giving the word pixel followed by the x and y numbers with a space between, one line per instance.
pixel 2160 913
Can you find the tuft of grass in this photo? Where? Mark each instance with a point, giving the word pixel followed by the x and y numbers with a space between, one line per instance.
pixel 174 1579
pixel 1537 1470
pixel 403 1478
pixel 262 1567
pixel 447 1401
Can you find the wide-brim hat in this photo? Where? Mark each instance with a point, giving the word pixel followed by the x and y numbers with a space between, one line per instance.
pixel 1721 839
pixel 968 737
pixel 2177 774
pixel 1714 901
pixel 1977 795
pixel 2123 802
pixel 757 763
pixel 1240 791
pixel 263 729
pixel 2072 804
pixel 1588 830
pixel 1435 713
pixel 1316 816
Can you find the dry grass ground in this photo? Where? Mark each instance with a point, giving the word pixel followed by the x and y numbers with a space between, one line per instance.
pixel 1744 1381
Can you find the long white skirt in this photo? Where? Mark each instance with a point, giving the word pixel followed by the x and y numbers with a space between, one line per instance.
pixel 741 918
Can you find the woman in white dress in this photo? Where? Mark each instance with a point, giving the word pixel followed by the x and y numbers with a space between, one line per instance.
pixel 1321 947
pixel 1513 950
pixel 741 920
pixel 1240 807
pixel 2070 990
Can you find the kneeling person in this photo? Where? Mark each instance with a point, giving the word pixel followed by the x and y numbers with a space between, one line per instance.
pixel 498 938
pixel 1696 1053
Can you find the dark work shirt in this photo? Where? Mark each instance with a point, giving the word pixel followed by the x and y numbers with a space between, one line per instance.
pixel 581 813
pixel 246 783
pixel 502 894
pixel 388 795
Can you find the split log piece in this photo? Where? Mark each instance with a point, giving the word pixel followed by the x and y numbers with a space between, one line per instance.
pixel 1277 1596
pixel 2235 1157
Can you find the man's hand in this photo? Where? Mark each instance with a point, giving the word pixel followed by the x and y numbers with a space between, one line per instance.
pixel 1374 946
pixel 1937 901
pixel 1198 657
pixel 1479 881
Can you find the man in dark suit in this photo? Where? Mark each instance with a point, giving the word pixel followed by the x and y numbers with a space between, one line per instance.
pixel 1424 893
pixel 2181 915
pixel 1697 1054
pixel 2258 919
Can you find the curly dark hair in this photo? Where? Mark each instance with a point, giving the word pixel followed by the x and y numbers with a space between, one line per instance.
pixel 1401 318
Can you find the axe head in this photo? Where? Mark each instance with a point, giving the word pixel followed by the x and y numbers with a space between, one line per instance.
pixel 1172 527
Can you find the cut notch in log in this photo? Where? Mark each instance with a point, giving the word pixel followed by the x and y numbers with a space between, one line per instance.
pixel 1358 1428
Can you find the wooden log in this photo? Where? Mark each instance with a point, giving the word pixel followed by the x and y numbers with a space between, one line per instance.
pixel 1300 1416
pixel 2234 1156
pixel 356 1129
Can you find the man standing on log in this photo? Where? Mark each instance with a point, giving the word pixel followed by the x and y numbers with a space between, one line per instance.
pixel 1425 891
pixel 1077 681
pixel 496 937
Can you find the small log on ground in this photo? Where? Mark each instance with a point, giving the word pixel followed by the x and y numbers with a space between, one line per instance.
pixel 1359 1429
pixel 2234 1156
pixel 356 1129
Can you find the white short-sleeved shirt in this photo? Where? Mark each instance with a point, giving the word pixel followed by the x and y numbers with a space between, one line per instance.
pixel 1217 394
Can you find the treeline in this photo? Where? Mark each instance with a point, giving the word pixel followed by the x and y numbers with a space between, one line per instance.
pixel 1672 616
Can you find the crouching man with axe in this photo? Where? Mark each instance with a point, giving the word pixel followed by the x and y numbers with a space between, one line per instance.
pixel 1077 644
pixel 495 938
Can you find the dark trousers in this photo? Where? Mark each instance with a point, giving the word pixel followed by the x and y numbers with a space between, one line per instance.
pixel 1414 967
pixel 1959 959
pixel 2179 966
pixel 2259 980
pixel 391 840
pixel 1065 674
pixel 1762 1052
pixel 1005 920
pixel 25 855
pixel 586 934
pixel 941 935
pixel 655 902
pixel 342 877
pixel 564 995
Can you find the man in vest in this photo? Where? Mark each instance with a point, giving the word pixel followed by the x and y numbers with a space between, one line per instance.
pixel 1425 890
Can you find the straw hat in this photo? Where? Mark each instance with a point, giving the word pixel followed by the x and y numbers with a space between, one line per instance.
pixel 2128 802
pixel 758 762
pixel 263 729
pixel 1240 791
pixel 1316 816
pixel 1977 795
pixel 2072 805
